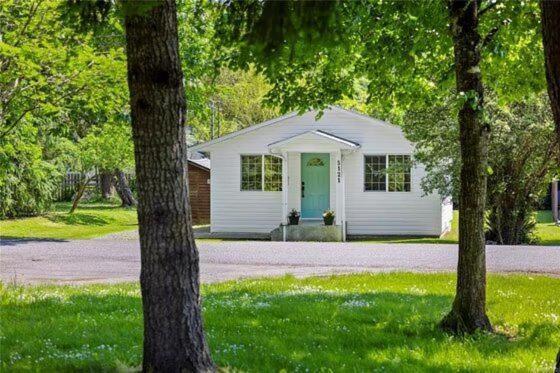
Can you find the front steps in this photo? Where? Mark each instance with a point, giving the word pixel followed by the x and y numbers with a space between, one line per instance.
pixel 308 232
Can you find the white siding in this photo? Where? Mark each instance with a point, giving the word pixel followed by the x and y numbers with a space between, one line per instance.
pixel 233 210
pixel 446 214
pixel 388 213
pixel 294 179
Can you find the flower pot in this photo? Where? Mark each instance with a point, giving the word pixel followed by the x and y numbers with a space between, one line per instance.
pixel 328 220
pixel 294 220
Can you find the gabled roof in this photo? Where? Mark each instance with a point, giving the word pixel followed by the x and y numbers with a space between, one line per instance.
pixel 243 131
pixel 347 144
pixel 201 163
pixel 200 147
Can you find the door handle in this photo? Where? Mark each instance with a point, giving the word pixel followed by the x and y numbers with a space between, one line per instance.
pixel 302 189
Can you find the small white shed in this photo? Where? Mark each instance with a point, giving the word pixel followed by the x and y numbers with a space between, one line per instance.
pixel 359 167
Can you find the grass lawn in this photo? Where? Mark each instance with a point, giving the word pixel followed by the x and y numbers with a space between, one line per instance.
pixel 89 220
pixel 546 233
pixel 381 322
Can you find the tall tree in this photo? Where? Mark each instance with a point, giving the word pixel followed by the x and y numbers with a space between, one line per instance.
pixel 316 53
pixel 469 307
pixel 550 16
pixel 522 159
pixel 173 332
pixel 55 86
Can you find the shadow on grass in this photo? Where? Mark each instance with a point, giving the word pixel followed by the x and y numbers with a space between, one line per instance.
pixel 544 217
pixel 15 240
pixel 261 331
pixel 65 207
pixel 78 218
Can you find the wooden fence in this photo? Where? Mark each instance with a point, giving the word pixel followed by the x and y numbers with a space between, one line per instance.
pixel 71 181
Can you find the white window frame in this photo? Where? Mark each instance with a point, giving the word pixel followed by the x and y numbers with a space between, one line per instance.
pixel 262 173
pixel 386 155
pixel 364 172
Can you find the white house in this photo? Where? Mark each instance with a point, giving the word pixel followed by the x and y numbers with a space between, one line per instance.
pixel 355 165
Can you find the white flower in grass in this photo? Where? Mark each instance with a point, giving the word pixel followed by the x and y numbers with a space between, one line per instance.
pixel 355 303
pixel 261 305
pixel 416 290
pixel 552 317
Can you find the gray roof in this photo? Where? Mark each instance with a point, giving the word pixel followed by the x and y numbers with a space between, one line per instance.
pixel 204 162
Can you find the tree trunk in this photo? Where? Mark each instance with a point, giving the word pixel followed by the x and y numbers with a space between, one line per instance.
pixel 469 307
pixel 554 200
pixel 79 194
pixel 174 338
pixel 106 184
pixel 123 190
pixel 550 16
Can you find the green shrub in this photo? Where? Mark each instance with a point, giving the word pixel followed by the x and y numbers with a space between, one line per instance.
pixel 27 182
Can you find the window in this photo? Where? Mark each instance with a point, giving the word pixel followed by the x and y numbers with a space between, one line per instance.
pixel 261 172
pixel 272 173
pixel 374 172
pixel 315 162
pixel 251 172
pixel 387 173
pixel 399 173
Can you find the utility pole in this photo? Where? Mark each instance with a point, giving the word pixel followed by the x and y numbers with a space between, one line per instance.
pixel 219 121
pixel 212 108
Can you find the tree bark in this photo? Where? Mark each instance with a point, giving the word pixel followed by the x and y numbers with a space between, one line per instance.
pixel 79 193
pixel 106 184
pixel 123 190
pixel 554 200
pixel 174 338
pixel 468 312
pixel 550 16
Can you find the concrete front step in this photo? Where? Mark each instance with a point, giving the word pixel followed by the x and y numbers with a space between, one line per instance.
pixel 307 232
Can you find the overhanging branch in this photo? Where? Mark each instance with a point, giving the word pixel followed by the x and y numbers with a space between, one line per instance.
pixel 488 7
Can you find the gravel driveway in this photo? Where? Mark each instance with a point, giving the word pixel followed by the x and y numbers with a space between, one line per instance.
pixel 110 260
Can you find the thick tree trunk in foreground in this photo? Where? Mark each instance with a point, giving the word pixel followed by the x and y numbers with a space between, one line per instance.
pixel 123 190
pixel 106 184
pixel 550 20
pixel 174 339
pixel 469 307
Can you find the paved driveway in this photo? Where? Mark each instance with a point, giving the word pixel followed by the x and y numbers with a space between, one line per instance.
pixel 110 260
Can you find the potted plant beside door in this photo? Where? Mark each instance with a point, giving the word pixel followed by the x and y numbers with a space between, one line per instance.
pixel 293 217
pixel 328 217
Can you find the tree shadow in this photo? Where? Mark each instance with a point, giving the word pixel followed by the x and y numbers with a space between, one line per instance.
pixel 78 218
pixel 250 330
pixel 358 331
pixel 14 240
pixel 65 207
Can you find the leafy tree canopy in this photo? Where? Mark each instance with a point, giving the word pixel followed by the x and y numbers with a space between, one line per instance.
pixel 400 53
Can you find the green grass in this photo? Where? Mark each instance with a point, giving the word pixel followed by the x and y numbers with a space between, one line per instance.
pixel 89 220
pixel 546 233
pixel 382 322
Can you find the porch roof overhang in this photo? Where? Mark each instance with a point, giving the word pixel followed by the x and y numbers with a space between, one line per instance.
pixel 313 141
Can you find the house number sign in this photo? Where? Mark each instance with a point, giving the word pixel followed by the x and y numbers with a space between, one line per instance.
pixel 338 170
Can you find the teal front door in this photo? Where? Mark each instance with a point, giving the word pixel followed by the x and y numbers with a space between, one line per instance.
pixel 314 184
